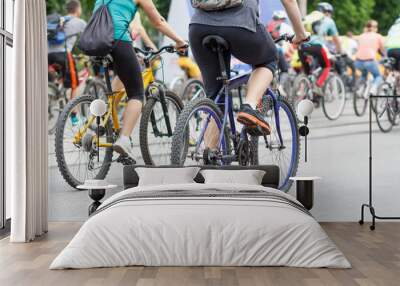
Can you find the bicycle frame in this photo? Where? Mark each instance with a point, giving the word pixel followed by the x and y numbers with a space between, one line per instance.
pixel 230 84
pixel 112 112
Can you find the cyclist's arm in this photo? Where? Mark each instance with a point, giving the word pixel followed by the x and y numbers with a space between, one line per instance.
pixel 159 22
pixel 338 44
pixel 333 31
pixel 293 11
pixel 137 26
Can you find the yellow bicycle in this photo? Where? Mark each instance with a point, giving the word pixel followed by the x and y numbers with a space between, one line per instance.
pixel 82 155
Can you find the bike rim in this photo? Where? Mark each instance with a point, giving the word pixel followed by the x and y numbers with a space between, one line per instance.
pixel 195 126
pixel 81 164
pixel 287 158
pixel 334 98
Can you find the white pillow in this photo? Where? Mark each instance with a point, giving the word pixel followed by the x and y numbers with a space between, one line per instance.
pixel 247 177
pixel 166 176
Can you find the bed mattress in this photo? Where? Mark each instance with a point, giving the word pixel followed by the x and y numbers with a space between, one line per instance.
pixel 201 225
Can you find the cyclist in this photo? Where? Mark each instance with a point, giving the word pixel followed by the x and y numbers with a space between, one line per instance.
pixel 393 43
pixel 278 27
pixel 60 54
pixel 126 64
pixel 369 44
pixel 250 43
pixel 322 26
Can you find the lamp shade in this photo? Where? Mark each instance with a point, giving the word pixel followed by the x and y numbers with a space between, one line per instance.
pixel 305 108
pixel 98 107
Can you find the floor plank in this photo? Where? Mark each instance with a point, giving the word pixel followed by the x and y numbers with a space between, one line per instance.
pixel 375 257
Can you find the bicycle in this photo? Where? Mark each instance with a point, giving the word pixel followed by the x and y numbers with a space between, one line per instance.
pixel 189 144
pixel 332 95
pixel 57 93
pixel 80 157
pixel 387 103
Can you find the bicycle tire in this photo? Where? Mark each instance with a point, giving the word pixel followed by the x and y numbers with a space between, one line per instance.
pixel 93 87
pixel 325 100
pixel 186 94
pixel 176 84
pixel 179 145
pixel 145 122
pixel 285 183
pixel 59 144
pixel 53 99
pixel 360 103
pixel 383 89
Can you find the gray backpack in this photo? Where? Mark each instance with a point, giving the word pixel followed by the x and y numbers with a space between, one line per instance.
pixel 216 5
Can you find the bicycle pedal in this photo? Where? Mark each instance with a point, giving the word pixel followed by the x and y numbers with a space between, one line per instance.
pixel 255 131
pixel 126 161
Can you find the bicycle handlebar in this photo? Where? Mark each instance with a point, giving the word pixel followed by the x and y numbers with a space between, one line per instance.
pixel 150 54
pixel 289 38
pixel 285 37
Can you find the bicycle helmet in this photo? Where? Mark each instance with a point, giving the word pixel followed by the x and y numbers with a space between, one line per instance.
pixel 279 15
pixel 325 7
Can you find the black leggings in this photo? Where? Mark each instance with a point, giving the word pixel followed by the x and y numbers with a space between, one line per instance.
pixel 395 53
pixel 127 67
pixel 256 49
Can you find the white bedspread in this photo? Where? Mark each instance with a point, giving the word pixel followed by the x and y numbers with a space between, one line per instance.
pixel 200 231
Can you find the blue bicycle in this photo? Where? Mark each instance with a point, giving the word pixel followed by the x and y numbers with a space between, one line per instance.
pixel 206 135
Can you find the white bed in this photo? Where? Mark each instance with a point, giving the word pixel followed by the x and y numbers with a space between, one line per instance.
pixel 224 225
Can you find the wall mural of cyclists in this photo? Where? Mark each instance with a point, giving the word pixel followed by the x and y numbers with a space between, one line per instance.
pixel 337 146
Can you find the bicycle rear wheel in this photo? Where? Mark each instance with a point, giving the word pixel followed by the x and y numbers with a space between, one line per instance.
pixel 270 150
pixel 55 106
pixel 199 123
pixel 384 118
pixel 360 98
pixel 77 159
pixel 302 89
pixel 334 98
pixel 192 89
pixel 96 88
pixel 155 140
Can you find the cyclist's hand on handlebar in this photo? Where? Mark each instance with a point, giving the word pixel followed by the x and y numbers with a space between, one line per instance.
pixel 299 39
pixel 181 47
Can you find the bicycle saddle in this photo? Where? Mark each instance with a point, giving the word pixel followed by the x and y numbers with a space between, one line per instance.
pixel 215 43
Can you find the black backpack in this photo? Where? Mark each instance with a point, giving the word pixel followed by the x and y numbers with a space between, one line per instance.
pixel 55 29
pixel 98 37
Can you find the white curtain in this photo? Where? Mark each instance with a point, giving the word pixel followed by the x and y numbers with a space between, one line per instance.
pixel 26 131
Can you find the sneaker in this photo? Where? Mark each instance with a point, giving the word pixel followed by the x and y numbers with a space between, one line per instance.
pixel 124 146
pixel 74 119
pixel 253 118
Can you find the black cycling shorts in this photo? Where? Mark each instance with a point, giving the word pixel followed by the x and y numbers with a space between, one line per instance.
pixel 128 69
pixel 253 48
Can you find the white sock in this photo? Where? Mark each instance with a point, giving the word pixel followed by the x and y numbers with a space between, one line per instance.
pixel 252 104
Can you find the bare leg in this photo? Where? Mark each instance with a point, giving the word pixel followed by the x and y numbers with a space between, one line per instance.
pixel 131 116
pixel 258 83
pixel 211 136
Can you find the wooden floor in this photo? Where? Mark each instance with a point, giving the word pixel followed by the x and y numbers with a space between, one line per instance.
pixel 375 257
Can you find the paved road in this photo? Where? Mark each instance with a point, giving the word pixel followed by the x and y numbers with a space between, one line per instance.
pixel 338 152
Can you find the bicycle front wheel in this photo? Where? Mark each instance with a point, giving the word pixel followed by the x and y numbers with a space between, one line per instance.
pixel 76 151
pixel 334 98
pixel 155 136
pixel 197 133
pixel 282 146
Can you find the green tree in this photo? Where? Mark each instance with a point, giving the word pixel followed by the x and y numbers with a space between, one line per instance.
pixel 386 12
pixel 350 15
